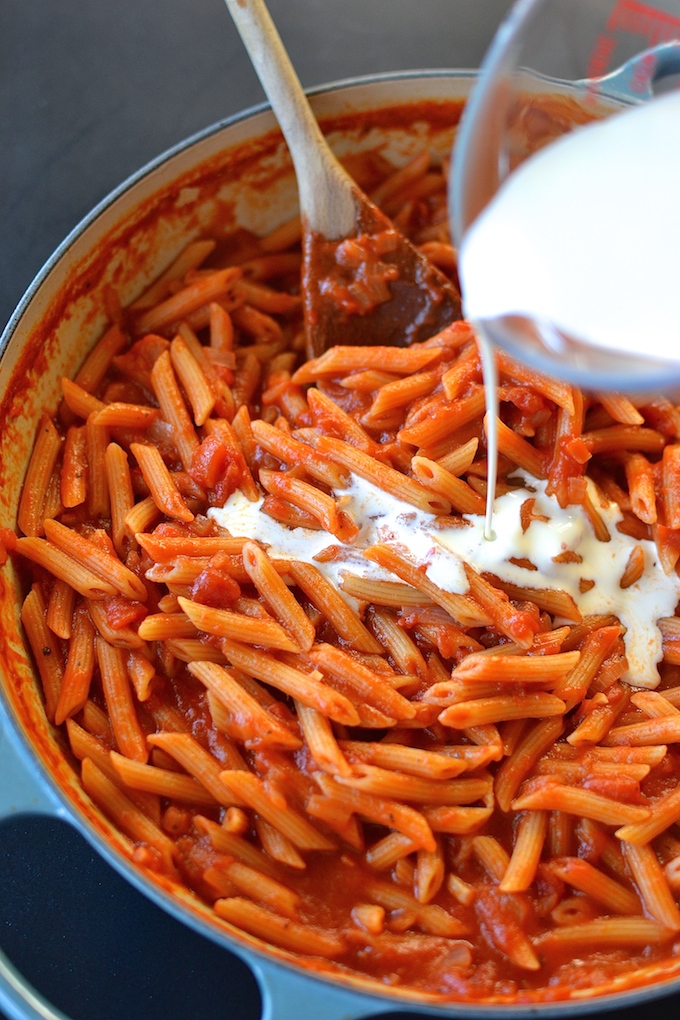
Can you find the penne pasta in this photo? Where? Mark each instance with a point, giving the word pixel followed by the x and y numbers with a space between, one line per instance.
pixel 250 789
pixel 271 927
pixel 580 802
pixel 248 718
pixel 63 566
pixel 328 601
pixel 530 835
pixel 186 301
pixel 75 684
pixel 492 710
pixel 163 490
pixel 321 741
pixel 107 566
pixel 606 932
pixel 46 651
pixel 224 623
pixel 411 760
pixel 164 782
pixel 295 679
pixel 117 691
pixel 198 762
pixel 38 475
pixel 368 685
pixel 285 607
pixel 403 819
pixel 305 687
pixel 127 816
pixel 596 884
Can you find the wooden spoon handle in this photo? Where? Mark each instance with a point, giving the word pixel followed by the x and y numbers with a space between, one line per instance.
pixel 326 192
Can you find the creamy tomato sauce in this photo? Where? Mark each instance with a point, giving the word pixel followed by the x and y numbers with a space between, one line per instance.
pixel 317 696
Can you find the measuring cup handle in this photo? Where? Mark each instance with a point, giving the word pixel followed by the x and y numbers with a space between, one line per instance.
pixel 635 79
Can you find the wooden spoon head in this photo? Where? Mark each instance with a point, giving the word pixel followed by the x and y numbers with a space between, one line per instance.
pixel 374 288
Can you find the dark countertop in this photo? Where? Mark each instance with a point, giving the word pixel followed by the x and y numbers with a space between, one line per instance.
pixel 88 93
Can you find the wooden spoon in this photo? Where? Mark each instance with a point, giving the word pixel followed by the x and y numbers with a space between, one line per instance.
pixel 363 282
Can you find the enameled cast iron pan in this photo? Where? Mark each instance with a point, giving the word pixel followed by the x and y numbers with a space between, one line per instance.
pixel 235 173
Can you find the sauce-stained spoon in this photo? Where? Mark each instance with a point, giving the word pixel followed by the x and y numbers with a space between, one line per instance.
pixel 363 282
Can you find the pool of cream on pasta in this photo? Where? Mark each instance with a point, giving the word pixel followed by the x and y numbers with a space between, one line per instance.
pixel 442 550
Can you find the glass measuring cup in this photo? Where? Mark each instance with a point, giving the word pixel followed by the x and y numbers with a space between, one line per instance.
pixel 553 66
